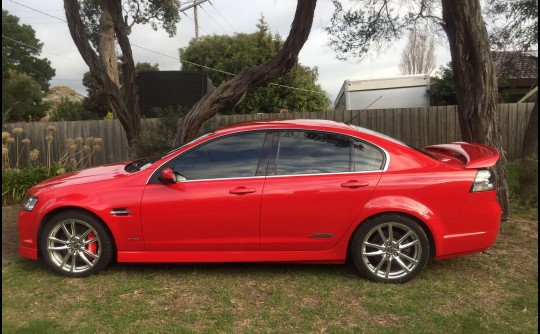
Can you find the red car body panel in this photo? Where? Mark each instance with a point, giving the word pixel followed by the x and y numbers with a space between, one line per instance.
pixel 300 218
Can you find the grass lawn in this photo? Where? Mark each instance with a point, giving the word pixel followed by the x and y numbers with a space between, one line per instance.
pixel 491 292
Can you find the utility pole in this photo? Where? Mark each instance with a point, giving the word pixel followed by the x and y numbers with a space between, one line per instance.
pixel 196 19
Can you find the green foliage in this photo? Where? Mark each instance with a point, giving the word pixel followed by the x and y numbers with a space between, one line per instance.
pixel 232 54
pixel 21 98
pixel 67 111
pixel 523 181
pixel 514 24
pixel 443 92
pixel 109 116
pixel 15 182
pixel 21 49
pixel 156 13
pixel 156 137
pixel 96 104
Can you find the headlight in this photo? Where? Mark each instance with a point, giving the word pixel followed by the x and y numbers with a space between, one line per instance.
pixel 29 203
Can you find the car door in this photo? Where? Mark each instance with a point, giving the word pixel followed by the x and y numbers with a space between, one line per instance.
pixel 317 184
pixel 217 206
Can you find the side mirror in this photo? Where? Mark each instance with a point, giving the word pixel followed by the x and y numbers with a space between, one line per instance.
pixel 167 176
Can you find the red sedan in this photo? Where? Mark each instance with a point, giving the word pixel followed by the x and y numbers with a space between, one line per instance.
pixel 307 191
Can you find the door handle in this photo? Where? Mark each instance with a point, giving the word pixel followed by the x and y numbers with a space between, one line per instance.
pixel 241 191
pixel 354 184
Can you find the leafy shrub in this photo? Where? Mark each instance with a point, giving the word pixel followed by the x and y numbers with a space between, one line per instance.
pixel 156 138
pixel 527 175
pixel 15 182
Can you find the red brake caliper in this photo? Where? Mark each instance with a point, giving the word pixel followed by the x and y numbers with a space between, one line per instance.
pixel 92 247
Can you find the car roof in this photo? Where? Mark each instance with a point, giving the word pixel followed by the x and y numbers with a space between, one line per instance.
pixel 286 123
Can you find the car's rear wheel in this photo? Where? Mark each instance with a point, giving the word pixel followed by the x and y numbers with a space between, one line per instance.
pixel 75 244
pixel 390 248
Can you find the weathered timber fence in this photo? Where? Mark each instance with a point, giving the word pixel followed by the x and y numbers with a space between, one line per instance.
pixel 415 126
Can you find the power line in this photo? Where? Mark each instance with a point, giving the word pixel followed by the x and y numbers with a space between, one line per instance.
pixel 223 17
pixel 214 19
pixel 33 47
pixel 159 53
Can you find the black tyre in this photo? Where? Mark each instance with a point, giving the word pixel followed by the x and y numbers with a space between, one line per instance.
pixel 390 248
pixel 75 244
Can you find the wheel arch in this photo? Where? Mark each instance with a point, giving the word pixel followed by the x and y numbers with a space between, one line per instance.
pixel 420 222
pixel 58 210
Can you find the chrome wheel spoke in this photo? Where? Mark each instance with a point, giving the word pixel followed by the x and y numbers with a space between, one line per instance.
pixel 53 239
pixel 407 245
pixel 403 238
pixel 85 234
pixel 85 259
pixel 408 258
pixel 85 251
pixel 376 270
pixel 65 260
pixel 73 263
pixel 89 241
pixel 64 228
pixel 388 267
pixel 381 234
pixel 379 252
pixel 58 248
pixel 73 228
pixel 402 265
pixel 390 232
pixel 369 244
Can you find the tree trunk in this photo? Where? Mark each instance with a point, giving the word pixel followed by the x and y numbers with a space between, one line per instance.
pixel 475 82
pixel 530 143
pixel 126 114
pixel 106 49
pixel 234 90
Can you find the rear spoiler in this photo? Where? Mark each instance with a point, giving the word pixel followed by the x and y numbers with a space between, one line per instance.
pixel 473 155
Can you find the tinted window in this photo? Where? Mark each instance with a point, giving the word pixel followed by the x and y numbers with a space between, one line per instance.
pixel 230 157
pixel 366 157
pixel 309 152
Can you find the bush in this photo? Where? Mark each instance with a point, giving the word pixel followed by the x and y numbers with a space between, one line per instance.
pixel 156 138
pixel 15 182
pixel 527 174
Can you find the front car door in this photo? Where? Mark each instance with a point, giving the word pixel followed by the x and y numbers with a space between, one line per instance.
pixel 217 206
pixel 317 184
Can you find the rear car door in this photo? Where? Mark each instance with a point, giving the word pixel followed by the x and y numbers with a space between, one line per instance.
pixel 317 184
pixel 217 207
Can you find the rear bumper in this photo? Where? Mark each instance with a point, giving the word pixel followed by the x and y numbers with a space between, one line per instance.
pixel 474 230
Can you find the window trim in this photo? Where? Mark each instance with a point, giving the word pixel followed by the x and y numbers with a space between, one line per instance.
pixel 272 133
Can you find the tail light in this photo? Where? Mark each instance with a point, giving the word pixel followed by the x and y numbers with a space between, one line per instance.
pixel 483 181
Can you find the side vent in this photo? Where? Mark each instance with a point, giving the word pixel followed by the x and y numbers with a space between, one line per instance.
pixel 120 212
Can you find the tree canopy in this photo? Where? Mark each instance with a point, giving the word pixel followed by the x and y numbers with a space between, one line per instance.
pixel 24 74
pixel 232 54
pixel 21 50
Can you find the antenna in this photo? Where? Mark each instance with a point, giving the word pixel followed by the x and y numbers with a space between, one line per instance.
pixel 350 121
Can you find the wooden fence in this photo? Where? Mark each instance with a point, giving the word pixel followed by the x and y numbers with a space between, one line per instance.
pixel 415 126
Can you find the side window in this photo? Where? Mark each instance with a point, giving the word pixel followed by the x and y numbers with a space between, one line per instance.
pixel 229 157
pixel 366 157
pixel 311 152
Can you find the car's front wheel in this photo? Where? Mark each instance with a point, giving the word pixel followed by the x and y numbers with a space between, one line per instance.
pixel 390 248
pixel 75 244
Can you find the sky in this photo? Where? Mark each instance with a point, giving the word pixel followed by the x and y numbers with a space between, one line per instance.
pixel 220 17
